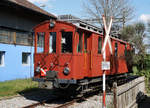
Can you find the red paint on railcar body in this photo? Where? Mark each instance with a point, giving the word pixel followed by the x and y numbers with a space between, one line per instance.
pixel 84 60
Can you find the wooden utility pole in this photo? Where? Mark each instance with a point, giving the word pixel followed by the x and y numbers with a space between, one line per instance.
pixel 123 20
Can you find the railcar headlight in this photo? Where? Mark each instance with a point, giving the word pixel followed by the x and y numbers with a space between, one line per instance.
pixel 51 24
pixel 66 71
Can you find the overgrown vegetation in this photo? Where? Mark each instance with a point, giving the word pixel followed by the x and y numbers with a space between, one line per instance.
pixel 135 34
pixel 144 71
pixel 10 88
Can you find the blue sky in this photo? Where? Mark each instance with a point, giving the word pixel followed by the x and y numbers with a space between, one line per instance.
pixel 74 7
pixel 60 7
pixel 141 9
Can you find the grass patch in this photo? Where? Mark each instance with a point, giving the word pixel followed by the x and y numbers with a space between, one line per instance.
pixel 13 87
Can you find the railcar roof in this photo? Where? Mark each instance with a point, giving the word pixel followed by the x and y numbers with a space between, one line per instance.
pixel 80 27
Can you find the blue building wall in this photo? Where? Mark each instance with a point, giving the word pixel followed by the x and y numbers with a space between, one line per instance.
pixel 13 67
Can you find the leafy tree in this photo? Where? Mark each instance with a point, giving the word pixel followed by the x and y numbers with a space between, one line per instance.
pixel 135 34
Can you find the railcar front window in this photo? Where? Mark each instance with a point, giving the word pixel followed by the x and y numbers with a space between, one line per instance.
pixel 66 42
pixel 40 42
pixel 52 42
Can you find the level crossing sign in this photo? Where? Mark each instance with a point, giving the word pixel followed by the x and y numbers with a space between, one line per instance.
pixel 106 64
pixel 107 37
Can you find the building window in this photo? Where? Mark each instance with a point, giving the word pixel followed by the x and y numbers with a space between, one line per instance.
pixel 40 42
pixel 79 47
pixel 23 38
pixel 15 37
pixel 26 58
pixel 116 49
pixel 6 36
pixel 2 57
pixel 66 42
pixel 52 42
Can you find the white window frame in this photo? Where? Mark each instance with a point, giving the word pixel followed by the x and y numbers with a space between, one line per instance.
pixel 28 54
pixel 2 56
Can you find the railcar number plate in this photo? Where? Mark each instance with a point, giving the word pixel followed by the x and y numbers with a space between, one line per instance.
pixel 105 65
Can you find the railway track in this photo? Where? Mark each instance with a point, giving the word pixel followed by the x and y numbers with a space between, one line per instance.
pixel 65 105
pixel 49 101
pixel 68 102
pixel 42 102
pixel 71 101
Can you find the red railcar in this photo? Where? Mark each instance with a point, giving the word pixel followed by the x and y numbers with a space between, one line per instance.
pixel 70 53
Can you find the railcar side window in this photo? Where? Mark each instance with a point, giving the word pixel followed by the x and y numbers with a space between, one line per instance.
pixel 99 45
pixel 116 49
pixel 85 42
pixel 40 42
pixel 125 51
pixel 52 42
pixel 79 47
pixel 66 42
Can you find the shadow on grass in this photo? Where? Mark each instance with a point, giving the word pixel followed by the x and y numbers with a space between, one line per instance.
pixel 29 90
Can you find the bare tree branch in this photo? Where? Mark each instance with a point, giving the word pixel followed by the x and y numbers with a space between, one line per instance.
pixel 119 9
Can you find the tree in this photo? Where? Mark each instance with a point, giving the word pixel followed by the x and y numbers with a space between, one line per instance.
pixel 148 37
pixel 120 10
pixel 135 34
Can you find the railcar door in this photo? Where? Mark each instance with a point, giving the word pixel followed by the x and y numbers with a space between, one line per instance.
pixel 87 52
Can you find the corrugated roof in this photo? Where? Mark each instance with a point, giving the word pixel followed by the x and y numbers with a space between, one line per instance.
pixel 29 5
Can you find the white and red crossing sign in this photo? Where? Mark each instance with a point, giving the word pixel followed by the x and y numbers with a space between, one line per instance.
pixel 107 37
pixel 106 64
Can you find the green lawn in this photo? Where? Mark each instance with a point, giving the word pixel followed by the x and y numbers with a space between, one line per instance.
pixel 13 87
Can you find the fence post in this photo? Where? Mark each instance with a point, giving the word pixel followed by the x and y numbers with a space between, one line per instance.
pixel 115 94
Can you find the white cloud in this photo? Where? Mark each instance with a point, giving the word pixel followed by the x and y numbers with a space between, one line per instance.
pixel 38 1
pixel 42 3
pixel 145 17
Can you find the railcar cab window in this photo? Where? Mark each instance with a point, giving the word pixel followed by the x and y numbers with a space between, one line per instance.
pixel 40 42
pixel 99 45
pixel 116 49
pixel 66 42
pixel 79 46
pixel 52 42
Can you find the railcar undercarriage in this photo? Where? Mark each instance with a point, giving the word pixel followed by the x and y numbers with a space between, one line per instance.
pixel 81 87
